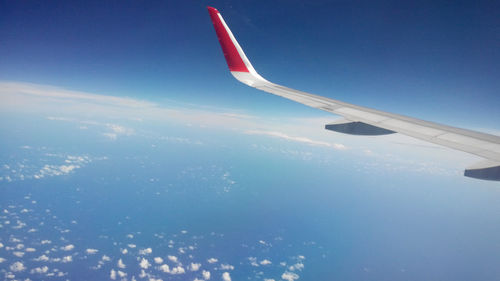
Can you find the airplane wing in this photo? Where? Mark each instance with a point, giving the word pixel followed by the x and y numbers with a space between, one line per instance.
pixel 362 120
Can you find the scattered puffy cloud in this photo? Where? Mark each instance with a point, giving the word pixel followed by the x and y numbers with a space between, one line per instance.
pixel 226 267
pixel 205 274
pixel 158 260
pixel 289 276
pixel 112 274
pixel 17 266
pixel 121 274
pixel 91 251
pixel 165 268
pixel 265 262
pixel 194 266
pixel 120 264
pixel 68 247
pixel 173 258
pixel 212 260
pixel 40 270
pixel 226 276
pixel 298 266
pixel 41 258
pixel 146 251
pixel 117 130
pixel 144 263
pixel 67 259
pixel 253 261
pixel 18 254
pixel 177 270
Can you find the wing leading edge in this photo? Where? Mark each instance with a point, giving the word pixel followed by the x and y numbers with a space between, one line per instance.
pixel 362 120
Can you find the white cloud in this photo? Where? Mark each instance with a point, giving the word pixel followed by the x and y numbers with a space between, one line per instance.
pixel 121 274
pixel 173 258
pixel 120 130
pixel 117 130
pixel 212 260
pixel 144 263
pixel 177 270
pixel 298 266
pixel 112 274
pixel 194 266
pixel 145 251
pixel 124 251
pixel 158 260
pixel 41 258
pixel 67 259
pixel 289 276
pixel 40 270
pixel 30 250
pixel 296 138
pixel 226 267
pixel 68 247
pixel 71 163
pixel 105 258
pixel 205 274
pixel 226 276
pixel 165 268
pixel 253 261
pixel 265 262
pixel 120 264
pixel 132 246
pixel 2 260
pixel 18 254
pixel 91 251
pixel 17 266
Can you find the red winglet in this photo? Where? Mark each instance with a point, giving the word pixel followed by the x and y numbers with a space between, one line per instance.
pixel 233 58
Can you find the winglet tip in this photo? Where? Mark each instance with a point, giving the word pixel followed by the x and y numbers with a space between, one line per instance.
pixel 234 59
pixel 212 9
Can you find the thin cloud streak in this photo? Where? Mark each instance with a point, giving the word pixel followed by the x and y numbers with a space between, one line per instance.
pixel 296 139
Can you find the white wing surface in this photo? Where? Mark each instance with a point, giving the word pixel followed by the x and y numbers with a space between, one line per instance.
pixel 362 120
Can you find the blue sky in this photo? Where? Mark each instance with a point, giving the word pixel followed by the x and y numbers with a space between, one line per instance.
pixel 435 60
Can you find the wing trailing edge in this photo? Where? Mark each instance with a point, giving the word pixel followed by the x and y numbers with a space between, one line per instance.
pixel 361 120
